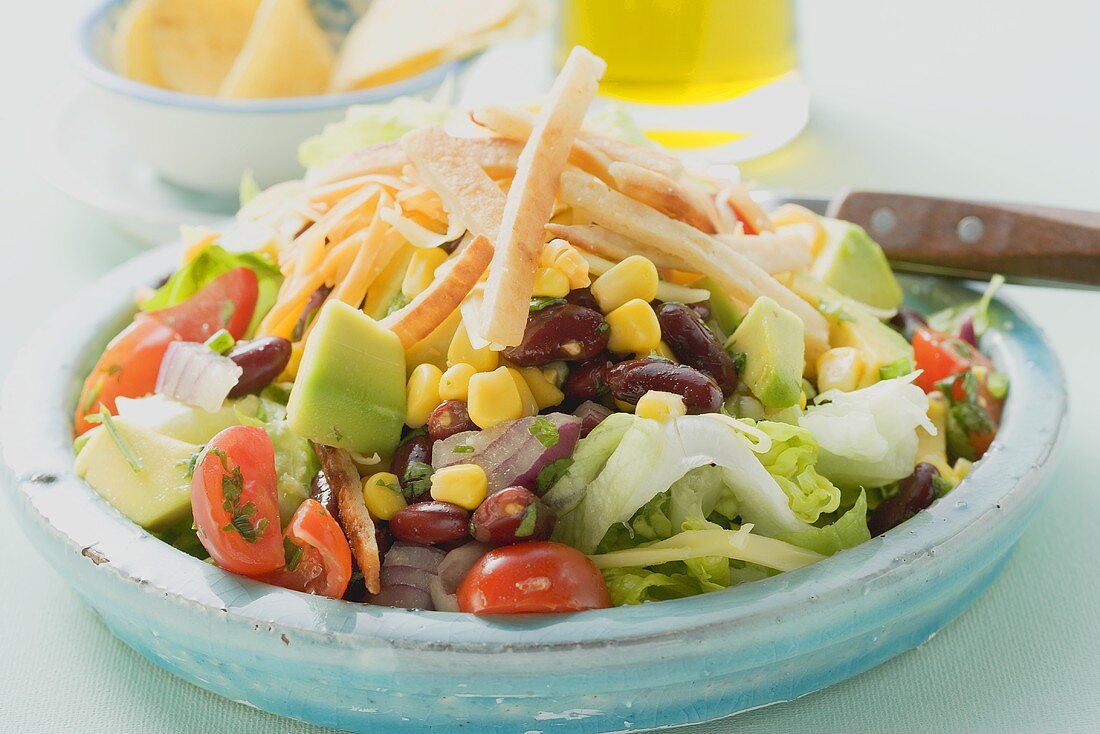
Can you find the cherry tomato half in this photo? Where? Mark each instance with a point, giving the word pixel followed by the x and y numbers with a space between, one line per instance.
pixel 941 355
pixel 320 560
pixel 539 577
pixel 234 499
pixel 127 369
pixel 227 302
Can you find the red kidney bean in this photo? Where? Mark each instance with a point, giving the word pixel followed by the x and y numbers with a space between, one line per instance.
pixel 321 490
pixel 695 345
pixel 582 297
pixel 428 523
pixel 630 380
pixel 313 305
pixel 261 361
pixel 915 492
pixel 512 515
pixel 449 417
pixel 416 449
pixel 568 332
pixel 587 380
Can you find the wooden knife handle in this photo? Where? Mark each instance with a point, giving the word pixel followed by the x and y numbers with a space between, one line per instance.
pixel 1028 242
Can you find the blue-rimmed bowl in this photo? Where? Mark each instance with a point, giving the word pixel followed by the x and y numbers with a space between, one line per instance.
pixel 389 671
pixel 206 143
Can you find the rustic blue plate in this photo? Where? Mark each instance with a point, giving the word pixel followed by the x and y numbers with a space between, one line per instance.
pixel 371 669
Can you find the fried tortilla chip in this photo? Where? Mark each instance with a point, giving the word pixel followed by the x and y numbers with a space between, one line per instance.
pixel 195 42
pixel 354 518
pixel 132 45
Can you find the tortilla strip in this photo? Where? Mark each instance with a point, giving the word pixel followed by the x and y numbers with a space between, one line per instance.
pixel 739 276
pixel 516 125
pixel 530 202
pixel 386 158
pixel 661 193
pixel 751 214
pixel 596 149
pixel 354 518
pixel 774 253
pixel 444 296
pixel 451 169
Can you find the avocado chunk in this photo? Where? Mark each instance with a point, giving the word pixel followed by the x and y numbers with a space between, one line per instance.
pixel 852 325
pixel 176 420
pixel 350 389
pixel 723 310
pixel 855 265
pixel 158 494
pixel 771 339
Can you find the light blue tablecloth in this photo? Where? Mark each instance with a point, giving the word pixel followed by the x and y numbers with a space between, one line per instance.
pixel 982 99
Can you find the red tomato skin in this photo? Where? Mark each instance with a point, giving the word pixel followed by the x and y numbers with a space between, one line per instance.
pixel 541 577
pixel 941 355
pixel 127 369
pixel 226 302
pixel 325 565
pixel 249 449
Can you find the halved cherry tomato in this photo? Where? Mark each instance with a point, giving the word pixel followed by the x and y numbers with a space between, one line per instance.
pixel 539 577
pixel 318 557
pixel 227 302
pixel 127 369
pixel 234 499
pixel 941 355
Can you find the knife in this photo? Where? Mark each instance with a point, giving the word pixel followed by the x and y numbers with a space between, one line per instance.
pixel 1034 245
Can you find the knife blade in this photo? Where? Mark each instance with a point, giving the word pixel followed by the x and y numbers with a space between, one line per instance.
pixel 968 239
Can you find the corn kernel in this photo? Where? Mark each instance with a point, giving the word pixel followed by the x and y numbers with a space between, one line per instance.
pixel 526 397
pixel 839 368
pixel 421 270
pixel 464 485
pixel 659 405
pixel 546 393
pixel 634 328
pixel 455 383
pixel 563 256
pixel 290 372
pixel 664 351
pixel 550 282
pixel 382 495
pixel 494 398
pixel 633 278
pixel 422 394
pixel 461 350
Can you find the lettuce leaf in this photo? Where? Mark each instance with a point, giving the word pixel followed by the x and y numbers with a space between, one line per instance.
pixel 868 437
pixel 589 458
pixel 791 460
pixel 369 124
pixel 208 265
pixel 614 122
pixel 847 532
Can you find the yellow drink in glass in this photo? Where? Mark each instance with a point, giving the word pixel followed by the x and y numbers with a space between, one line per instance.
pixel 696 53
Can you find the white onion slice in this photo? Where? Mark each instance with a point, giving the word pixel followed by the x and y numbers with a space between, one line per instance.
pixel 193 373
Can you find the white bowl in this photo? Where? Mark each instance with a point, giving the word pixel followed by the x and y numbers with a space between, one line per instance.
pixel 206 143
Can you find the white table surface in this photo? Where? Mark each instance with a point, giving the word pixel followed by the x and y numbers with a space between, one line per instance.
pixel 992 100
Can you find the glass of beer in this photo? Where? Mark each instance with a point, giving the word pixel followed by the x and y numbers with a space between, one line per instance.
pixel 716 79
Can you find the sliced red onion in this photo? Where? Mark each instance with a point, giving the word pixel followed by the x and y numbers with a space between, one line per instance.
pixel 513 454
pixel 591 415
pixel 194 374
pixel 406 577
pixel 451 572
pixel 966 330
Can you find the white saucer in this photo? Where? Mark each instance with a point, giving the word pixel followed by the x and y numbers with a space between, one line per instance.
pixel 83 157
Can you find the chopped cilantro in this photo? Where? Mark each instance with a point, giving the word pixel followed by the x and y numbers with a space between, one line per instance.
pixel 545 431
pixel 538 303
pixel 399 302
pixel 293 553
pixel 417 479
pixel 463 448
pixel 124 447
pixel 603 328
pixel 526 526
pixel 551 473
pixel 739 359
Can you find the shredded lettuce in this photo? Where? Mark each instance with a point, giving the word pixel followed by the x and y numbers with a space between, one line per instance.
pixel 369 124
pixel 589 458
pixel 791 460
pixel 847 532
pixel 614 122
pixel 648 459
pixel 212 262
pixel 868 437
pixel 950 319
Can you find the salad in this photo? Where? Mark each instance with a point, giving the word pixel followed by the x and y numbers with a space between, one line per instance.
pixel 525 362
